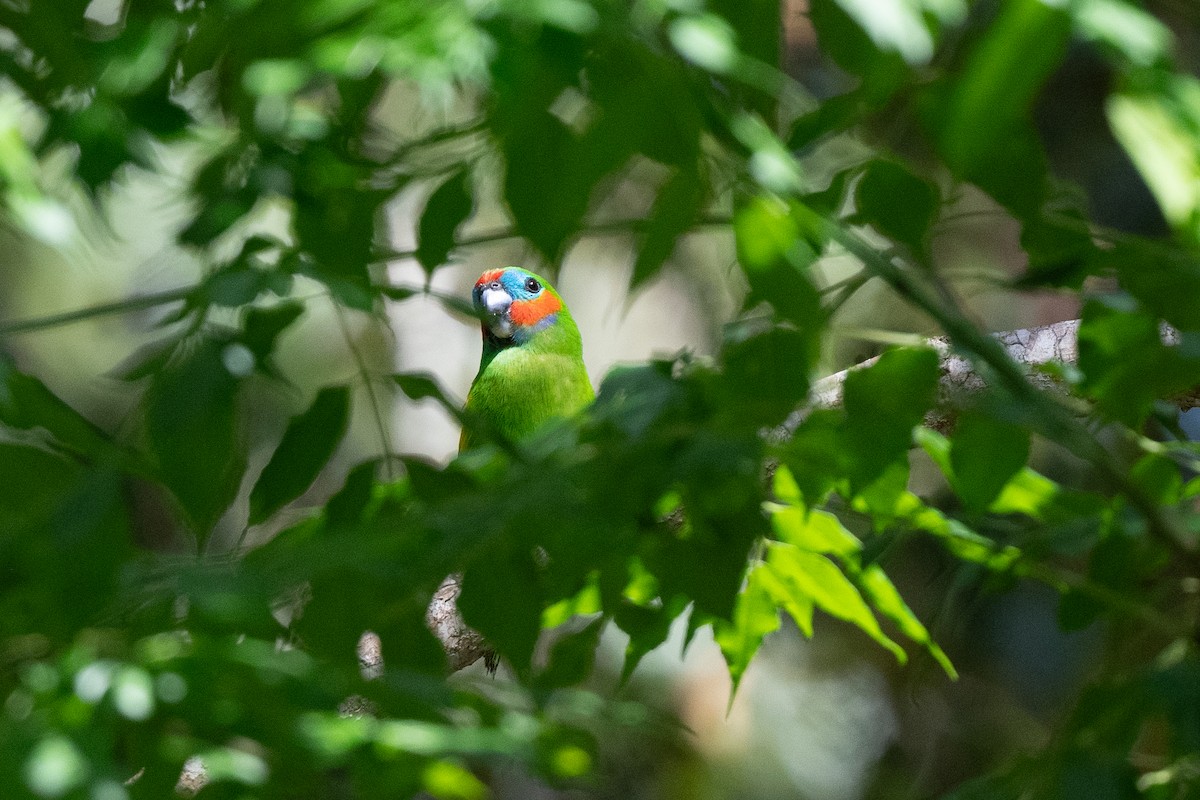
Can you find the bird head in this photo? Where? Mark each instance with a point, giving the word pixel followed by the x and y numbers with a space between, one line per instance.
pixel 515 304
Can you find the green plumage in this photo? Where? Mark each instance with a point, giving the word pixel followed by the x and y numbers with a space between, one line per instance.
pixel 537 373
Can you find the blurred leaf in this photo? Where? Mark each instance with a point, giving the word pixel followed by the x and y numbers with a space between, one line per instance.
pixel 350 503
pixel 571 657
pixel 984 454
pixel 754 616
pixel 766 376
pixel 446 780
pixel 1159 478
pixel 884 402
pixel 759 29
pixel 679 202
pixel 448 207
pixel 306 447
pixel 501 599
pixel 897 203
pixel 26 403
pixel 1164 282
pixel 66 530
pixel 549 178
pixel 194 432
pixel 815 455
pixel 980 117
pixel 224 197
pixel 902 26
pixel 647 628
pixel 847 41
pixel 816 578
pixel 1059 254
pixel 1026 493
pixel 775 261
pixel 882 594
pixel 261 326
pixel 832 116
pixel 1125 364
pixel 1157 128
pixel 649 97
pixel 706 40
pixel 336 217
pixel 817 531
pixel 1141 39
pixel 148 359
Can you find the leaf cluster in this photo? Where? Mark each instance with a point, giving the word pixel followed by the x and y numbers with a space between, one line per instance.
pixel 691 489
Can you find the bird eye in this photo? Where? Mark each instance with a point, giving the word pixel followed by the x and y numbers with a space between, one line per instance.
pixel 532 286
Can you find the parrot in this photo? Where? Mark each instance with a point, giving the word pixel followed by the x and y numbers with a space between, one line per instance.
pixel 532 369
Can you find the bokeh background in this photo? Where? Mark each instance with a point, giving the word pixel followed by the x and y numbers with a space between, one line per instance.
pixel 832 718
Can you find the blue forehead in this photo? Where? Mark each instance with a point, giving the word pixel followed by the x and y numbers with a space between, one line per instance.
pixel 513 281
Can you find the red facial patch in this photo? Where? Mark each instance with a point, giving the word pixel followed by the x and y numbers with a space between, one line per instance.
pixel 531 312
pixel 489 276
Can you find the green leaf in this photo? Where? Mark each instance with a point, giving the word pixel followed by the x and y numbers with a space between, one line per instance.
pixel 350 503
pixel 551 172
pixel 882 594
pixel 816 456
pixel 1140 38
pixel 755 615
pixel 897 203
pixel 981 117
pixel 418 386
pixel 832 116
pixel 26 403
pixel 306 447
pixel 679 203
pixel 883 403
pixel 217 216
pixel 816 578
pixel 1165 281
pixel 789 597
pixel 65 530
pixel 1060 254
pixel 194 432
pixel 960 540
pixel 1027 493
pixel 148 359
pixel 903 26
pixel 1159 479
pixel 647 628
pixel 448 207
pixel 766 376
pixel 262 326
pixel 501 599
pixel 985 454
pixel 571 657
pixel 1125 364
pixel 775 260
pixel 847 40
pixel 1157 128
pixel 816 531
pixel 758 26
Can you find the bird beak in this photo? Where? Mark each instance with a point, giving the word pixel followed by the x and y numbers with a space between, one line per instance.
pixel 496 303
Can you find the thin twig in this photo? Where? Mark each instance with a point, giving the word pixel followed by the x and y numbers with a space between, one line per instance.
pixel 104 309
pixel 368 384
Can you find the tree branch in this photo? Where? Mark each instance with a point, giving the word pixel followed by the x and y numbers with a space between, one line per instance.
pixel 1057 343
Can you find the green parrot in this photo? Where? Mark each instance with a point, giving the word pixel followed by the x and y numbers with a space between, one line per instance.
pixel 532 366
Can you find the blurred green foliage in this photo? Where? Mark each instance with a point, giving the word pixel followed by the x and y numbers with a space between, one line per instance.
pixel 116 658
